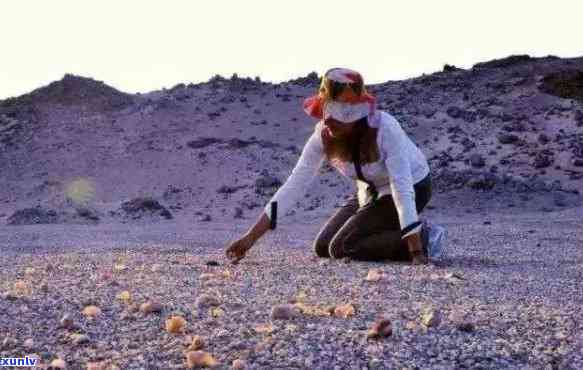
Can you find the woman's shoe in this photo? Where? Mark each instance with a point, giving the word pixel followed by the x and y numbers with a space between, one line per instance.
pixel 435 244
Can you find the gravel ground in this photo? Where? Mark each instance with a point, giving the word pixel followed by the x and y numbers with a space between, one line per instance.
pixel 508 295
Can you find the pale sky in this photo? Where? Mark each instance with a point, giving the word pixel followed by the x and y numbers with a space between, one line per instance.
pixel 140 46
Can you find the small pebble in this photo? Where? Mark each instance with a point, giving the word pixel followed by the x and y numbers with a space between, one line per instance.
pixel 465 326
pixel 124 296
pixel 374 275
pixel 151 307
pixel 431 318
pixel 66 321
pixel 78 339
pixel 284 312
pixel 344 310
pixel 197 343
pixel 381 328
pixel 58 364
pixel 91 311
pixel 175 324
pixel 200 359
pixel 205 300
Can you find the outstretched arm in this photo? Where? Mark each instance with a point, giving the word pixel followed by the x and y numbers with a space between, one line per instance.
pixel 302 175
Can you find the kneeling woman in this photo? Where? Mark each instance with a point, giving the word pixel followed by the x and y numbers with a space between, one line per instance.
pixel 381 221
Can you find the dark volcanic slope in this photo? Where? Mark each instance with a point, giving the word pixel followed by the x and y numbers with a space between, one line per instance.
pixel 507 132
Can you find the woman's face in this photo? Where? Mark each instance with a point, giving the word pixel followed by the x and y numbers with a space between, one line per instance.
pixel 338 129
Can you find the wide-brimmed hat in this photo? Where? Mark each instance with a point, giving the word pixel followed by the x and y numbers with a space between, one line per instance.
pixel 342 95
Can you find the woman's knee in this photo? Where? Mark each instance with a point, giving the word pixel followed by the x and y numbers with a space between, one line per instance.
pixel 336 246
pixel 321 249
pixel 335 250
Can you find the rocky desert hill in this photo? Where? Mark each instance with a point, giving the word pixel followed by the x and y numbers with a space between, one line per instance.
pixel 505 134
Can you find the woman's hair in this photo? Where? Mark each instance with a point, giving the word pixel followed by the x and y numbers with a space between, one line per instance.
pixel 340 148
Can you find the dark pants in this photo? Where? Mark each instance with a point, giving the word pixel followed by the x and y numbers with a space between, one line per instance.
pixel 371 232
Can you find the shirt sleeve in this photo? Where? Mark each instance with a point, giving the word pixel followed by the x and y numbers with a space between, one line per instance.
pixel 301 176
pixel 401 179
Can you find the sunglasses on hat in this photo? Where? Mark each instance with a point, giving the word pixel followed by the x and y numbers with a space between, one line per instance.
pixel 336 88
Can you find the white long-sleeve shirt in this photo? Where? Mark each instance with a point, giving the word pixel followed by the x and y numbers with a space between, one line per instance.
pixel 401 165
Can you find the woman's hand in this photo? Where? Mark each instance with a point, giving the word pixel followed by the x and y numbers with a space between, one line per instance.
pixel 416 249
pixel 239 248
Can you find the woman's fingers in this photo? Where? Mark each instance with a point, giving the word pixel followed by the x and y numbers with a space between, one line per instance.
pixel 237 251
pixel 232 250
pixel 230 254
pixel 234 253
pixel 238 256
